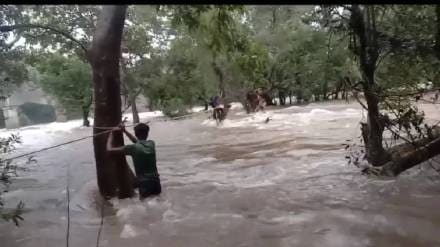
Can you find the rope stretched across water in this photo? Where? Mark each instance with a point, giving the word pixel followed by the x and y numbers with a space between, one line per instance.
pixel 108 129
pixel 61 144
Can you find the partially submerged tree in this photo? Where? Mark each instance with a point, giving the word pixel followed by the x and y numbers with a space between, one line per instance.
pixel 114 175
pixel 104 57
pixel 383 51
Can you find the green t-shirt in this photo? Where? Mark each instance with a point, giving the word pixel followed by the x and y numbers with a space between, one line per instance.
pixel 143 153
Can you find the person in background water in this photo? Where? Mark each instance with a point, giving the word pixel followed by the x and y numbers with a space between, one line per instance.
pixel 215 102
pixel 261 100
pixel 219 108
pixel 143 153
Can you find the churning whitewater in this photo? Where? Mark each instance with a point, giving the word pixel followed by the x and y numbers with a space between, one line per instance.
pixel 247 182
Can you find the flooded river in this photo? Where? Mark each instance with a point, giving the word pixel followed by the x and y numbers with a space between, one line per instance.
pixel 245 183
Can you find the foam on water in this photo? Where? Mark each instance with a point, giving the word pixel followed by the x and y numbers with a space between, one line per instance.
pixel 282 119
pixel 130 231
pixel 285 185
pixel 293 218
pixel 133 214
pixel 196 109
pixel 34 135
pixel 236 106
pixel 48 128
pixel 143 115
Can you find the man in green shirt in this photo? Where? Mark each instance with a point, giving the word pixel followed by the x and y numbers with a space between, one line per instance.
pixel 143 153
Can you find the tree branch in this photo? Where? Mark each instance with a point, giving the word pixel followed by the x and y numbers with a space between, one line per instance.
pixel 31 26
pixel 10 44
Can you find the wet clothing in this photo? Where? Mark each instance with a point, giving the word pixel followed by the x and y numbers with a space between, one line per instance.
pixel 261 102
pixel 143 153
pixel 215 101
pixel 149 186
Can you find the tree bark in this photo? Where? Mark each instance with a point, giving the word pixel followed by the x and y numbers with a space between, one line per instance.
pixel 409 159
pixel 129 92
pixel 86 111
pixel 325 91
pixel 361 23
pixel 134 111
pixel 221 84
pixel 85 114
pixel 408 155
pixel 282 97
pixel 113 174
pixel 376 154
pixel 338 89
pixel 2 119
pixel 299 96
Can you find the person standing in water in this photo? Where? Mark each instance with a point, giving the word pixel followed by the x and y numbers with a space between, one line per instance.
pixel 143 153
pixel 215 102
pixel 261 100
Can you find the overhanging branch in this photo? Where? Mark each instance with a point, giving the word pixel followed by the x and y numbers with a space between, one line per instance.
pixel 31 26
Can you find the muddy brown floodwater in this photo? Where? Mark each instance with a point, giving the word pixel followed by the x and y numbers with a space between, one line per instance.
pixel 245 183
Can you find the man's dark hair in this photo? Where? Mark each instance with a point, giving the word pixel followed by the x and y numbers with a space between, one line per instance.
pixel 141 131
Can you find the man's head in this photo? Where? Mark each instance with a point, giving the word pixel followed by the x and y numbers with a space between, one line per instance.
pixel 141 131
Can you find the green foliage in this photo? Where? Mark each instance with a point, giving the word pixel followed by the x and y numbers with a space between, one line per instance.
pixel 7 171
pixel 173 107
pixel 252 64
pixel 265 46
pixel 182 53
pixel 12 67
pixel 302 58
pixel 69 80
pixel 76 24
pixel 179 82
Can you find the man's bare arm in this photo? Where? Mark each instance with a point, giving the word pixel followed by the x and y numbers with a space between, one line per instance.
pixel 129 135
pixel 110 147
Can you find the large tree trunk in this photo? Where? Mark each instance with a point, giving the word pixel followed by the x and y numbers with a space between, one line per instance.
pixel 361 23
pixel 376 154
pixel 113 173
pixel 407 156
